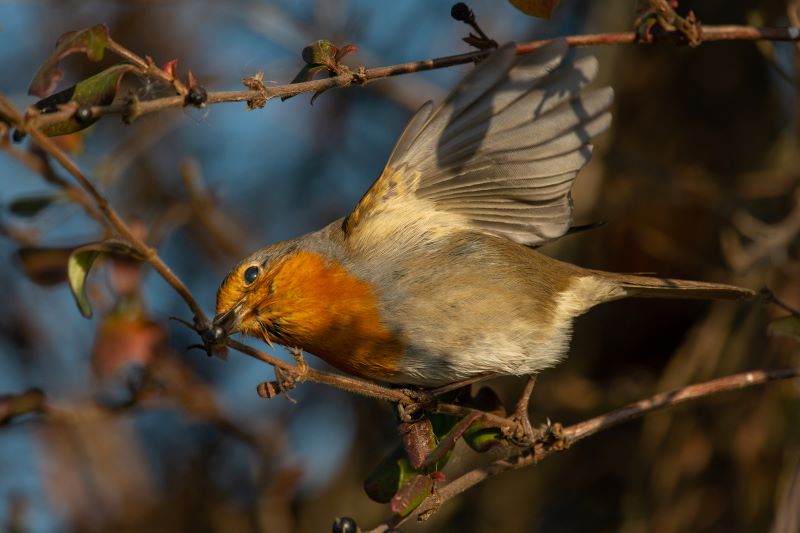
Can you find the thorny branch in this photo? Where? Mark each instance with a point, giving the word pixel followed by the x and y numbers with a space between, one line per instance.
pixel 131 109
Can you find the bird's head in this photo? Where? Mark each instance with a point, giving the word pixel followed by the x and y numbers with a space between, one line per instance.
pixel 246 300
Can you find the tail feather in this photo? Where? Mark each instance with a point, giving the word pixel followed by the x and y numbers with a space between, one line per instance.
pixel 655 287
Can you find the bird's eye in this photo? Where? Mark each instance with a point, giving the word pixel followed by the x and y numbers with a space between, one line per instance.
pixel 250 274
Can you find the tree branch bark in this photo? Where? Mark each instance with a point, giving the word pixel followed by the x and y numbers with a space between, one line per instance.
pixel 132 109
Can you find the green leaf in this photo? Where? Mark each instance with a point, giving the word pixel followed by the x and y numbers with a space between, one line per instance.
pixel 788 326
pixel 386 479
pixel 80 264
pixel 100 89
pixel 78 267
pixel 321 56
pixel 91 41
pixel 321 52
pixel 31 205
pixel 536 8
pixel 411 494
pixel 480 436
pixel 345 50
pixel 482 439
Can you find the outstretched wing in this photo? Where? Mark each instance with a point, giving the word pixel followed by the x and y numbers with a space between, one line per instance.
pixel 500 154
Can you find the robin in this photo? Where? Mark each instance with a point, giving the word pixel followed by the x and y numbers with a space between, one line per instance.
pixel 433 277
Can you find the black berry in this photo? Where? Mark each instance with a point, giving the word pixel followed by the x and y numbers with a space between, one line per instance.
pixel 83 115
pixel 197 96
pixel 461 12
pixel 344 524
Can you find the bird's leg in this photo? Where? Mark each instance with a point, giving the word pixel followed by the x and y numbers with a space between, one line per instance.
pixel 302 366
pixel 524 432
pixel 420 399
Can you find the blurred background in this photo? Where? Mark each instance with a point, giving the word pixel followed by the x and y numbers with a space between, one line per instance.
pixel 698 178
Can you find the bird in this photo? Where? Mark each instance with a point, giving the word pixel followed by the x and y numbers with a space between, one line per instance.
pixel 435 277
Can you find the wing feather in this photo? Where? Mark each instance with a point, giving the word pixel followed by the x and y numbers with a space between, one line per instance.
pixel 501 153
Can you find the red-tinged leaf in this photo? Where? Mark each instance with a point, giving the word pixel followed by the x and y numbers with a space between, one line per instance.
pixel 411 495
pixel 345 50
pixel 191 81
pixel 536 8
pixel 80 264
pixel 44 266
pixel 171 68
pixel 100 89
pixel 438 477
pixel 91 41
pixel 30 206
pixel 439 456
pixel 123 340
pixel 418 440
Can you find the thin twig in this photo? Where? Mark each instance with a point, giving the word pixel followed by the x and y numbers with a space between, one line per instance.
pixel 340 381
pixel 115 221
pixel 587 428
pixel 132 109
pixel 13 405
pixel 463 411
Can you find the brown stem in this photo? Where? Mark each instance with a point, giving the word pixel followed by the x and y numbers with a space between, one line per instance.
pixel 350 384
pixel 115 221
pixel 587 428
pixel 361 76
pixel 462 411
pixel 145 66
pixel 13 405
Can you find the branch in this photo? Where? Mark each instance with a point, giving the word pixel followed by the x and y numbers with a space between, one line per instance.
pixel 114 220
pixel 13 405
pixel 301 372
pixel 296 373
pixel 134 108
pixel 572 434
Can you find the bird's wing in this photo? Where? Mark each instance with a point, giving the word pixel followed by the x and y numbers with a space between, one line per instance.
pixel 499 155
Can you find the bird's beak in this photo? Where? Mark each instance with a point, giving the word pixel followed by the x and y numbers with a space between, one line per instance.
pixel 228 322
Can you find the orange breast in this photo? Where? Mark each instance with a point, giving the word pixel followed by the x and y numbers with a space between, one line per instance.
pixel 323 309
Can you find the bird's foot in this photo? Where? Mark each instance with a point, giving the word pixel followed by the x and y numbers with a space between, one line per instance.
pixel 415 409
pixel 522 432
pixel 301 371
